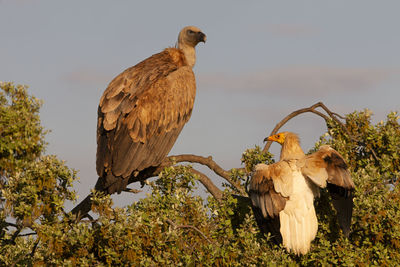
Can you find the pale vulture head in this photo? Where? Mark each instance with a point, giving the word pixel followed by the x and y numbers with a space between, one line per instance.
pixel 290 145
pixel 188 38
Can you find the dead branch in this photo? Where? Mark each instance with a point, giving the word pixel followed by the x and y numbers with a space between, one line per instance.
pixel 11 224
pixel 311 109
pixel 210 163
pixel 132 190
pixel 190 227
pixel 208 184
pixel 28 234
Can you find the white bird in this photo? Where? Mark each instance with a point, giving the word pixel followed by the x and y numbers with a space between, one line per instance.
pixel 283 193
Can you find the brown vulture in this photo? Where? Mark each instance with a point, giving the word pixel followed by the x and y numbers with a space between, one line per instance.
pixel 143 110
pixel 283 193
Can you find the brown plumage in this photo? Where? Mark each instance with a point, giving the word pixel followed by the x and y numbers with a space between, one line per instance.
pixel 143 110
pixel 282 193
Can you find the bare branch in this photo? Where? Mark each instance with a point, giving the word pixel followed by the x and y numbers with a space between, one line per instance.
pixel 83 208
pixel 311 109
pixel 15 235
pixel 131 190
pixel 190 227
pixel 210 186
pixel 34 248
pixel 28 234
pixel 11 224
pixel 210 163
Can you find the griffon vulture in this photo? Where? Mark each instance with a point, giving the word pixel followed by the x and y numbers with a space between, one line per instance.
pixel 283 193
pixel 143 110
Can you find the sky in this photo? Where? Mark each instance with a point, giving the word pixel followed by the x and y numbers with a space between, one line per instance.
pixel 262 60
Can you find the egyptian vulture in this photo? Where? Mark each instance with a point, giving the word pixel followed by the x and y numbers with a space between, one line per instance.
pixel 143 110
pixel 283 193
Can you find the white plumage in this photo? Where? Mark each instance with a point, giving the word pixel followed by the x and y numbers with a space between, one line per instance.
pixel 283 193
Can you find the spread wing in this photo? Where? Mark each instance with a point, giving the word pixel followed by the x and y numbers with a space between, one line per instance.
pixel 269 191
pixel 327 168
pixel 140 116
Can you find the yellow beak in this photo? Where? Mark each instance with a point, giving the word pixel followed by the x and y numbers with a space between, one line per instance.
pixel 280 138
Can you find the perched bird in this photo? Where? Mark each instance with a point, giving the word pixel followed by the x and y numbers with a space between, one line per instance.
pixel 143 110
pixel 283 193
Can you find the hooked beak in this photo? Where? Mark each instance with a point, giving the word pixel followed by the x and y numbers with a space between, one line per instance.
pixel 201 37
pixel 268 139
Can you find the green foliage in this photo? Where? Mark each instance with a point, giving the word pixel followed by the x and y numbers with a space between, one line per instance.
pixel 253 156
pixel 33 187
pixel 172 225
pixel 372 152
pixel 21 135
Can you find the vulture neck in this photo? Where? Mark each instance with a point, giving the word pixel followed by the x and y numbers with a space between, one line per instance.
pixel 189 52
pixel 291 148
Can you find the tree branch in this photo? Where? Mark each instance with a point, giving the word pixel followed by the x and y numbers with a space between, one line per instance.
pixel 190 227
pixel 84 206
pixel 210 163
pixel 311 109
pixel 28 234
pixel 11 224
pixel 208 184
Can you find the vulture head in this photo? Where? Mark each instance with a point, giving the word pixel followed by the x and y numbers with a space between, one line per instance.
pixel 188 38
pixel 191 36
pixel 290 145
pixel 279 138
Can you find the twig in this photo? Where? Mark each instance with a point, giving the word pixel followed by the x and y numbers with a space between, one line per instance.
pixel 131 190
pixel 28 234
pixel 15 235
pixel 190 227
pixel 11 224
pixel 34 248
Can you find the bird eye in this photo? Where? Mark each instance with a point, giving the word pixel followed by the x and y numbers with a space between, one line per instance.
pixel 278 136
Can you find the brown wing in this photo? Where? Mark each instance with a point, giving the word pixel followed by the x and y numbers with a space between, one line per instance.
pixel 140 116
pixel 327 168
pixel 267 201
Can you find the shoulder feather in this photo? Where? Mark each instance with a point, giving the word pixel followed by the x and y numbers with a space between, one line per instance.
pixel 267 189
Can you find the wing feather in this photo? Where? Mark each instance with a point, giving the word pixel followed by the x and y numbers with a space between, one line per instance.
pixel 327 168
pixel 267 188
pixel 327 165
pixel 267 201
pixel 112 103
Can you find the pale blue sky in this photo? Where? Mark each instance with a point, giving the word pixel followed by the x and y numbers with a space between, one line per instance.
pixel 262 60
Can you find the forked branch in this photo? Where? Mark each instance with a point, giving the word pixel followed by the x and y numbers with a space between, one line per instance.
pixel 83 208
pixel 331 115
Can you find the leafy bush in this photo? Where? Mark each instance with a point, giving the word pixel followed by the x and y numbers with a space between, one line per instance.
pixel 33 187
